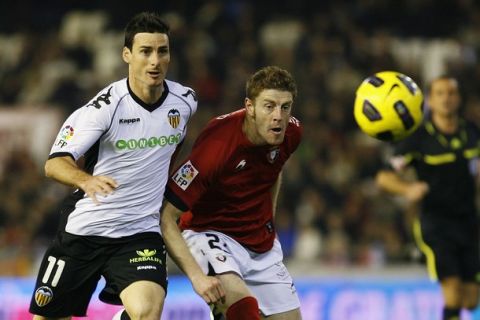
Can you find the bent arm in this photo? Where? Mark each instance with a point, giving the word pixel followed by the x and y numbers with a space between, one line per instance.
pixel 65 170
pixel 391 181
pixel 209 288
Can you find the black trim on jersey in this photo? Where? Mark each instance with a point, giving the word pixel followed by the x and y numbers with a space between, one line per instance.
pixel 186 102
pixel 173 199
pixel 91 157
pixel 114 112
pixel 146 106
pixel 60 154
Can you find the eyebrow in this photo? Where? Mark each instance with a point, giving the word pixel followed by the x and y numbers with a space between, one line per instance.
pixel 151 47
pixel 273 101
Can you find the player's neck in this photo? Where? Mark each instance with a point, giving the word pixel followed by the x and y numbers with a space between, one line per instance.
pixel 147 94
pixel 250 131
pixel 446 123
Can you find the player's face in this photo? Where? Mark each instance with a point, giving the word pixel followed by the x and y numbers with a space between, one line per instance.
pixel 148 60
pixel 270 113
pixel 444 98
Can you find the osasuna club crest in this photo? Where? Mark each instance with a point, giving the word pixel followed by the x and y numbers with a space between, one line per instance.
pixel 272 155
pixel 174 118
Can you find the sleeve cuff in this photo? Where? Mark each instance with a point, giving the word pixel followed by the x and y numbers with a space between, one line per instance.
pixel 175 200
pixel 61 154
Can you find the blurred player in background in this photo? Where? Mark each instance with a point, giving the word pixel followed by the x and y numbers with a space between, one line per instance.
pixel 444 152
pixel 225 194
pixel 129 133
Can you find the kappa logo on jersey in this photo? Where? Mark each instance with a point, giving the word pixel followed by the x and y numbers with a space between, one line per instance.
pixel 128 121
pixel 273 154
pixel 174 118
pixel 64 136
pixel 185 175
pixel 241 165
pixel 190 92
pixel 105 98
pixel 43 296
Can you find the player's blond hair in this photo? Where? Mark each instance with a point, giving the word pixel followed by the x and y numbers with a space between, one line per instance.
pixel 271 77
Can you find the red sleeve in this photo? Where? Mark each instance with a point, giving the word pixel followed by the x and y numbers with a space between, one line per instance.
pixel 193 177
pixel 295 133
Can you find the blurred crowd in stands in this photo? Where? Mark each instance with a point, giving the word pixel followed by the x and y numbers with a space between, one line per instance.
pixel 330 212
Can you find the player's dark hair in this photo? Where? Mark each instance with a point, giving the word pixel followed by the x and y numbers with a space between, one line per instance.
pixel 149 22
pixel 270 77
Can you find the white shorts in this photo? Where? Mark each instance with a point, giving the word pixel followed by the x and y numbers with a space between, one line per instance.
pixel 265 274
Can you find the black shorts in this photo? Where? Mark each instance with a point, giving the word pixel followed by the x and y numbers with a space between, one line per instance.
pixel 73 265
pixel 452 247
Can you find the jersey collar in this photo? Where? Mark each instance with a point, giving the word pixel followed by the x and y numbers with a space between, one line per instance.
pixel 146 106
pixel 453 141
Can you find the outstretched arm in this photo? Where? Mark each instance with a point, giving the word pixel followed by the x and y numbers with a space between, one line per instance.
pixel 209 288
pixel 66 171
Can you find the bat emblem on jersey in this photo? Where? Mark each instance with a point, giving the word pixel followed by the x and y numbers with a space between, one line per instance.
pixel 190 92
pixel 174 118
pixel 273 154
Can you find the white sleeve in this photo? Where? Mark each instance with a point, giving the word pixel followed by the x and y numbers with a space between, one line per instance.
pixel 81 130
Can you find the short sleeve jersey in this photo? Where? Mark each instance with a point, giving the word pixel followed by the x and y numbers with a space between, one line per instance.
pixel 226 182
pixel 132 142
pixel 448 163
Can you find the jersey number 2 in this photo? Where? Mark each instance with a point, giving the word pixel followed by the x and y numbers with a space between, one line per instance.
pixel 52 261
pixel 214 241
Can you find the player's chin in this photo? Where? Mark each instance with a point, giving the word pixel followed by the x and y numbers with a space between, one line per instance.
pixel 155 81
pixel 276 139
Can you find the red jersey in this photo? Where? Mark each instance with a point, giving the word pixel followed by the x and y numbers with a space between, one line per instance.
pixel 226 182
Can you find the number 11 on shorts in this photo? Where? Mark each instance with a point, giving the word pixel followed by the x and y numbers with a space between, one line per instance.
pixel 52 261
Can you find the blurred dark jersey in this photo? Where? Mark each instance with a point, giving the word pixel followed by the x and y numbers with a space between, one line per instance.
pixel 225 184
pixel 448 163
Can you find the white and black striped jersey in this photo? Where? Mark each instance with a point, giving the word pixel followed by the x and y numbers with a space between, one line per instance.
pixel 131 142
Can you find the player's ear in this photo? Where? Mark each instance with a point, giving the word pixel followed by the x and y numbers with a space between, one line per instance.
pixel 249 106
pixel 126 54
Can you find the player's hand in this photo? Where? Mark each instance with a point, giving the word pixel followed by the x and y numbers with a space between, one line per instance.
pixel 101 185
pixel 417 191
pixel 209 288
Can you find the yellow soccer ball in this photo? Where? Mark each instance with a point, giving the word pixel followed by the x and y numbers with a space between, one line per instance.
pixel 388 106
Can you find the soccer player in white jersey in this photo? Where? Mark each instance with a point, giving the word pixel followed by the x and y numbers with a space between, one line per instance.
pixel 128 134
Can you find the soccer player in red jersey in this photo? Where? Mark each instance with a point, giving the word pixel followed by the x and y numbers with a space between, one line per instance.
pixel 225 194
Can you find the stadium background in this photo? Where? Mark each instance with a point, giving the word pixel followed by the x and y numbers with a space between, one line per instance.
pixel 348 245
